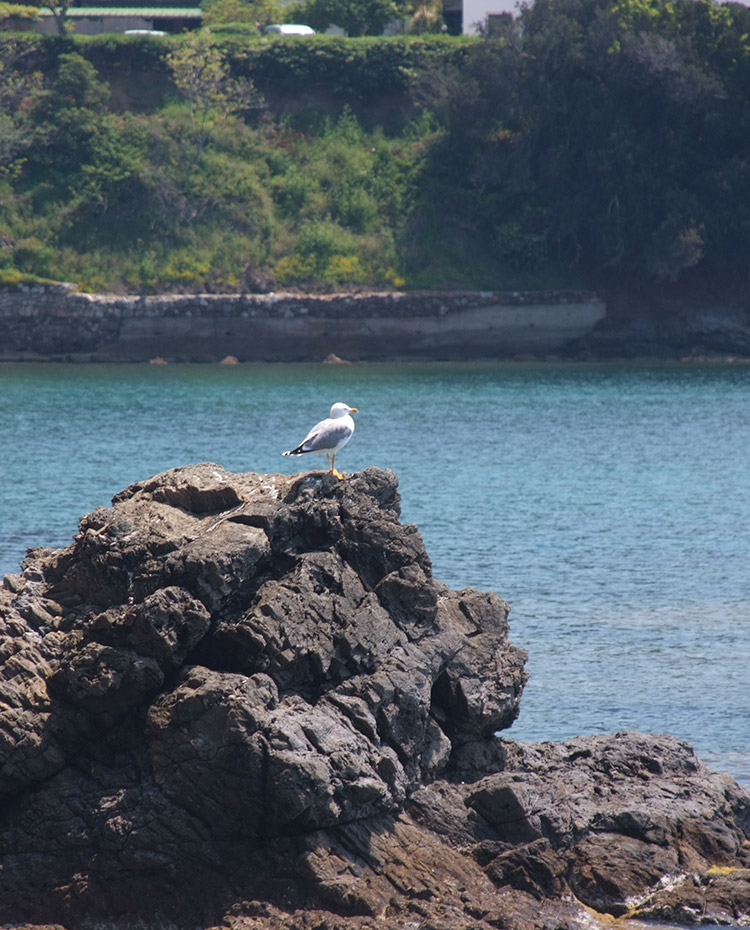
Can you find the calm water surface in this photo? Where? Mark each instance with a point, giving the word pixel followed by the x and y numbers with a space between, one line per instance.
pixel 609 505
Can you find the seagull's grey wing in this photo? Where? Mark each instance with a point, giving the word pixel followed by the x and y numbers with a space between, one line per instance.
pixel 303 446
pixel 326 435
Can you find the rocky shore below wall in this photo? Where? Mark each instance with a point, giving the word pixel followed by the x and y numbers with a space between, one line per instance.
pixel 243 701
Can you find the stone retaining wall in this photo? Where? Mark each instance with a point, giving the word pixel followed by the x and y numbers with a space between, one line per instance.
pixel 53 322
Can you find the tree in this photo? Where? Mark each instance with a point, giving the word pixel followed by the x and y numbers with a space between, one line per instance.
pixel 257 13
pixel 427 16
pixel 19 87
pixel 84 154
pixel 11 13
pixel 610 129
pixel 60 13
pixel 67 115
pixel 355 17
pixel 201 74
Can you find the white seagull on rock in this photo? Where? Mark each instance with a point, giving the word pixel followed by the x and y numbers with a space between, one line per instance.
pixel 328 436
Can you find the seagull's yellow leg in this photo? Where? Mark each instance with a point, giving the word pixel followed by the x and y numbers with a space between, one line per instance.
pixel 335 471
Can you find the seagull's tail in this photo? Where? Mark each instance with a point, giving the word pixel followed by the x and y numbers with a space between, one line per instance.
pixel 298 451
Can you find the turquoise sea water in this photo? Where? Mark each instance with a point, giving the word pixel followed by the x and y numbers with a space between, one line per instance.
pixel 608 504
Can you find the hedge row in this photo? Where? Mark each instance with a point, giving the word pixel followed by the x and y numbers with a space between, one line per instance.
pixel 362 68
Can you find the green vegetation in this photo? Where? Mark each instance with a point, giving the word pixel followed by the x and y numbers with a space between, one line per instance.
pixel 608 132
pixel 247 17
pixel 11 12
pixel 355 17
pixel 590 140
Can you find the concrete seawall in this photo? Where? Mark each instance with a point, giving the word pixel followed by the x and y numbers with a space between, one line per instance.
pixel 53 322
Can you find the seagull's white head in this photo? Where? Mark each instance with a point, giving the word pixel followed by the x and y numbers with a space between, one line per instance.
pixel 341 410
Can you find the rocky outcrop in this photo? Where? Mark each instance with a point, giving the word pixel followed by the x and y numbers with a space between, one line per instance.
pixel 704 315
pixel 245 700
pixel 692 334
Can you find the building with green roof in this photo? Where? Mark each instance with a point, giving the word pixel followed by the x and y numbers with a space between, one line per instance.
pixel 95 20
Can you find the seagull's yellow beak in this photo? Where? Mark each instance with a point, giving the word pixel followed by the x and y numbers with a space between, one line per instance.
pixel 353 410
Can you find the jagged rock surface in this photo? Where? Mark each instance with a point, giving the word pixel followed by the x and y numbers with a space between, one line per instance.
pixel 245 699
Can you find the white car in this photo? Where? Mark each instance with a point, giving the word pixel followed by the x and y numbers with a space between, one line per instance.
pixel 288 29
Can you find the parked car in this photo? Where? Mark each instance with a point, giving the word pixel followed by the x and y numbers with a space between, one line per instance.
pixel 288 29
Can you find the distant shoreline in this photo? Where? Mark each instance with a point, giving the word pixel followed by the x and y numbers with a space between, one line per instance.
pixel 54 322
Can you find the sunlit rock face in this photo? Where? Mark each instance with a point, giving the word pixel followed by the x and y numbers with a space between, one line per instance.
pixel 245 698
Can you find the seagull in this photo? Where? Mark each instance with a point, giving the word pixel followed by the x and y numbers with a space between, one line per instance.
pixel 328 436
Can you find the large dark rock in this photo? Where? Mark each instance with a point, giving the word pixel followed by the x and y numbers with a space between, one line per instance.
pixel 244 698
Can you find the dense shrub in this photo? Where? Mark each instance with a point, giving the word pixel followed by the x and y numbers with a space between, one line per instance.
pixel 607 134
pixel 203 193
